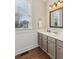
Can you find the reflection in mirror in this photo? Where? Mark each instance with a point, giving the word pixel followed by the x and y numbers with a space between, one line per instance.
pixel 56 18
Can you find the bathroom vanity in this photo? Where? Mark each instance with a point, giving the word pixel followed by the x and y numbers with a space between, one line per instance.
pixel 51 43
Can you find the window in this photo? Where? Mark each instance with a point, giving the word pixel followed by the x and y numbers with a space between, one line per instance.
pixel 23 14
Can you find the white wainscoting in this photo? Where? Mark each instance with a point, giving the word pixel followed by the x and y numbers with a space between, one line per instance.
pixel 25 39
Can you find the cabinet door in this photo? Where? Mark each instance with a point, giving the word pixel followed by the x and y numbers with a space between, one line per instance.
pixel 51 47
pixel 40 40
pixel 59 50
pixel 44 43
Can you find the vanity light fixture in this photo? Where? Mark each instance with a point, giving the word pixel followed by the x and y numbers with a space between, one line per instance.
pixel 58 3
pixel 54 5
pixel 50 6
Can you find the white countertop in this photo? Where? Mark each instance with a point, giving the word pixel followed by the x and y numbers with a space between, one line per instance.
pixel 58 36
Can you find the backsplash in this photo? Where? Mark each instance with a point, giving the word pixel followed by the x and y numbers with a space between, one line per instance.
pixel 56 29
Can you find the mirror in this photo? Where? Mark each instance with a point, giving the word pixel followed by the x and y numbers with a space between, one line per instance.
pixel 56 18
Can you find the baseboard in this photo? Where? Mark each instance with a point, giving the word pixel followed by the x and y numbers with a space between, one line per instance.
pixel 25 49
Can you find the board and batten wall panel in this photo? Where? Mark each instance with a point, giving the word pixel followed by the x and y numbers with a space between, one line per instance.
pixel 25 40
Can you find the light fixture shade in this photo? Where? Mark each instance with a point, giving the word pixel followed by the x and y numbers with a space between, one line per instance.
pixel 54 5
pixel 58 4
pixel 50 6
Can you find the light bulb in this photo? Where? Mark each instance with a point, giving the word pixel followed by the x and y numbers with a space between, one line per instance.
pixel 54 5
pixel 58 4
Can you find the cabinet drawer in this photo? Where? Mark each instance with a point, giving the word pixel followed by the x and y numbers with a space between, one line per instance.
pixel 51 39
pixel 59 43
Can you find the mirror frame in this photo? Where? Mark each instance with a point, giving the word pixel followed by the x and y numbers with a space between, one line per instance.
pixel 50 18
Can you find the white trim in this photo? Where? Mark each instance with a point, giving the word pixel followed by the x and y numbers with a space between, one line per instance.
pixel 25 49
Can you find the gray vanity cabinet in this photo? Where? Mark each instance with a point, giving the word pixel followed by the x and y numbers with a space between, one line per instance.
pixel 59 49
pixel 44 43
pixel 51 47
pixel 40 40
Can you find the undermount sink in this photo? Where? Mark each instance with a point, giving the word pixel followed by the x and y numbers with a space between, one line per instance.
pixel 52 32
pixel 55 32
